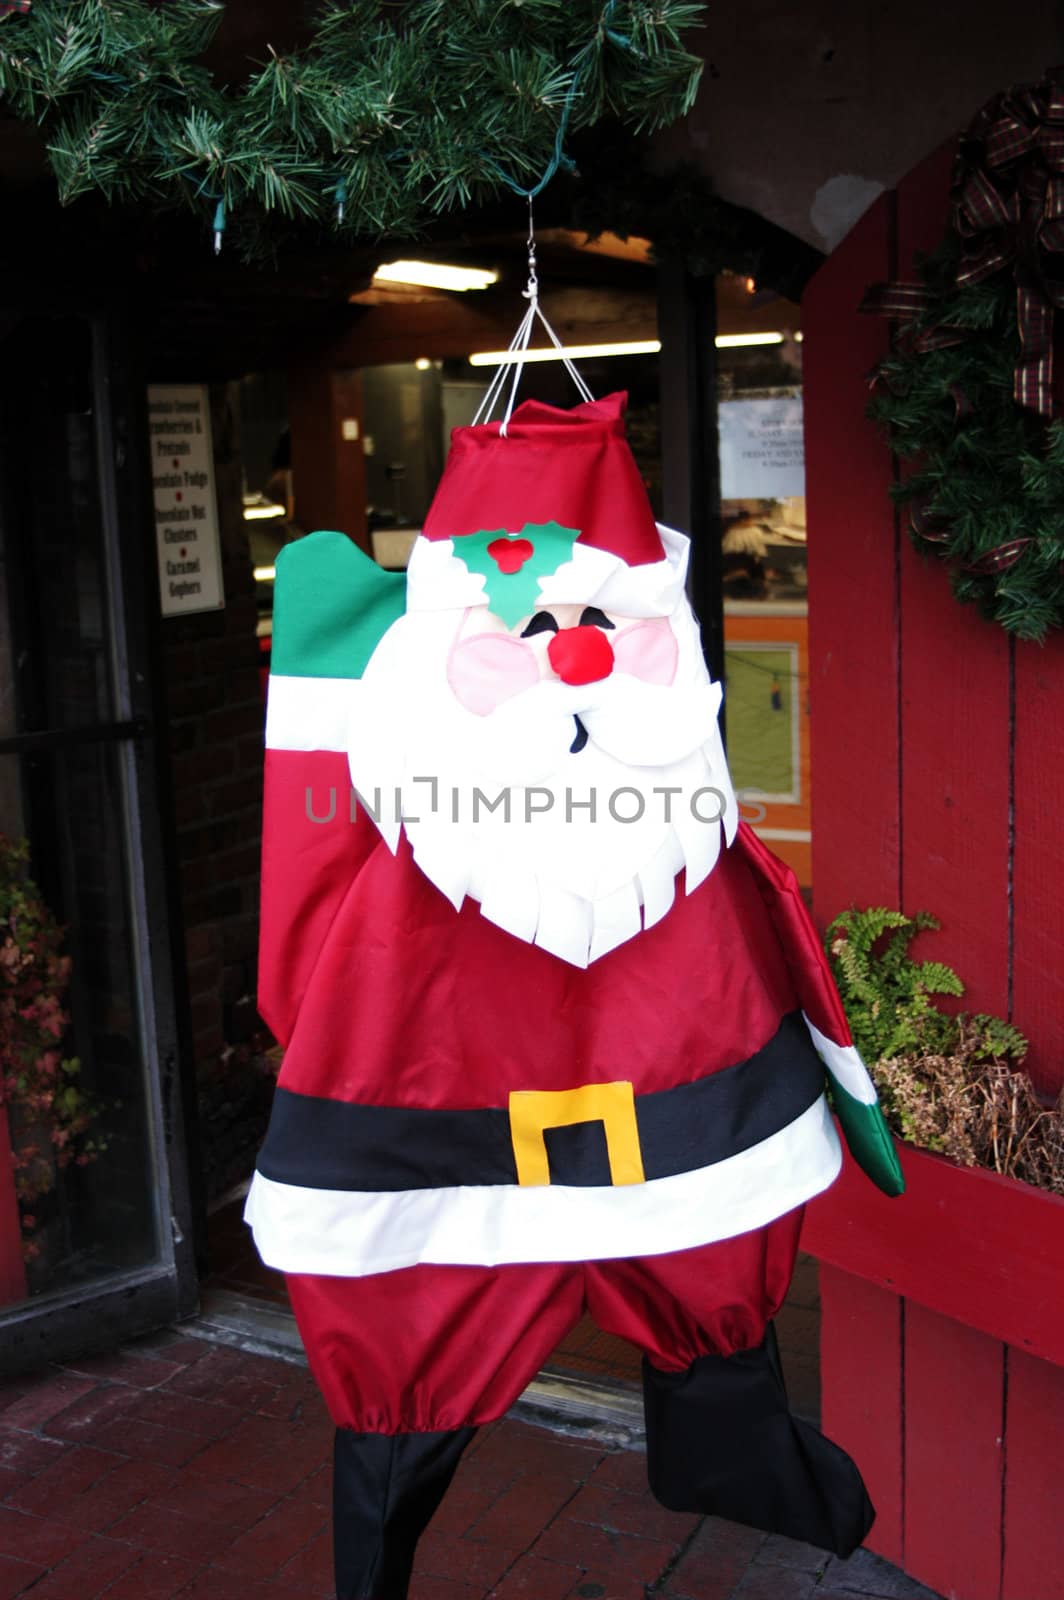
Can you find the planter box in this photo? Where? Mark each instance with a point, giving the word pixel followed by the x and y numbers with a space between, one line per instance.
pixel 942 1354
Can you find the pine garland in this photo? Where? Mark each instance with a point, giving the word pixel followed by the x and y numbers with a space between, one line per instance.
pixel 986 493
pixel 389 115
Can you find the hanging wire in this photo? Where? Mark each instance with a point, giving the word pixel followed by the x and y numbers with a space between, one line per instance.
pixel 559 159
pixel 783 673
pixel 532 289
pixel 520 341
pixel 518 345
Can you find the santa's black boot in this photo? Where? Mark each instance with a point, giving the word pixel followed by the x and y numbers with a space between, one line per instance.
pixel 386 1487
pixel 721 1440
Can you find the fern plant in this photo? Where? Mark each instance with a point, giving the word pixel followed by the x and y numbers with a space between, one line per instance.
pixel 887 995
pixel 950 1082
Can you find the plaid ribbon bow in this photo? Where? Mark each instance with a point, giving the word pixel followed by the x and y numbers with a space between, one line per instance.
pixel 1007 208
pixel 905 301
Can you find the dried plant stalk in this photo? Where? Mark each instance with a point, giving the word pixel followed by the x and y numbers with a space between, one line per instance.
pixel 980 1111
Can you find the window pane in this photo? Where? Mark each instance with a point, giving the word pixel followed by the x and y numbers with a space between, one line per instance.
pixel 763 560
pixel 51 522
pixel 86 1202
pixel 78 1109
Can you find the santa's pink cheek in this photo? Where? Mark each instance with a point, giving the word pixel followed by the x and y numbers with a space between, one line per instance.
pixel 647 650
pixel 486 670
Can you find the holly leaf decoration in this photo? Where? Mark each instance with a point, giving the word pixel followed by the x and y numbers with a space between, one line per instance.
pixel 512 564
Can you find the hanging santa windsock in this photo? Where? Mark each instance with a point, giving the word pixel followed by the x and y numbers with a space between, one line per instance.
pixel 557 1027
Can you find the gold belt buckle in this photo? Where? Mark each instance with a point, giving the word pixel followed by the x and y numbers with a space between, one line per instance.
pixel 533 1111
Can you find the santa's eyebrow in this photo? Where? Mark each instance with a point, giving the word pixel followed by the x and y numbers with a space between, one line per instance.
pixel 542 622
pixel 592 617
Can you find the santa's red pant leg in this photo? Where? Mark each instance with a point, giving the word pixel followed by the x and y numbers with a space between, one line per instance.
pixel 410 1362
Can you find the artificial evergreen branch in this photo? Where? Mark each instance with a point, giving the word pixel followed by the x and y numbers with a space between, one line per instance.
pixel 404 111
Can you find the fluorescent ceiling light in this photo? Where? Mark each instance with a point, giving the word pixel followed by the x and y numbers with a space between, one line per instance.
pixel 575 352
pixel 264 574
pixel 634 347
pixel 260 513
pixel 732 341
pixel 435 275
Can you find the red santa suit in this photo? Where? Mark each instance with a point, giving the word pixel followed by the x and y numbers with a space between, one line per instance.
pixel 544 1060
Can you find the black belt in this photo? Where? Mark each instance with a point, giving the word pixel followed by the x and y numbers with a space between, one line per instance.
pixel 329 1144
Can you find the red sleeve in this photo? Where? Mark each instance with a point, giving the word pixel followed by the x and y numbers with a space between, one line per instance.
pixel 312 850
pixel 802 948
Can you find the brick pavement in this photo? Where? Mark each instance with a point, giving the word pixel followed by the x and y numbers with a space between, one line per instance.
pixel 176 1469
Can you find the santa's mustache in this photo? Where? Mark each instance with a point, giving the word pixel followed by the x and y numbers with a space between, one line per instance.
pixel 639 724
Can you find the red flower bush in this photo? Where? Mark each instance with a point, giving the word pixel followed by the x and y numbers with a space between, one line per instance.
pixel 48 1112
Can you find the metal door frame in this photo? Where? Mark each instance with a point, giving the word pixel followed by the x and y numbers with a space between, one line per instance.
pixel 93 1317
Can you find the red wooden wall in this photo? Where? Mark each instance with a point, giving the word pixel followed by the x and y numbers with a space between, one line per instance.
pixel 937 743
pixel 937 783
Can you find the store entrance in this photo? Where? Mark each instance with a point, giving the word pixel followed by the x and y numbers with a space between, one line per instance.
pixel 94 1214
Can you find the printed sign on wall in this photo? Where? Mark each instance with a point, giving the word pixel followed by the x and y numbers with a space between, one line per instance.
pixel 761 450
pixel 186 507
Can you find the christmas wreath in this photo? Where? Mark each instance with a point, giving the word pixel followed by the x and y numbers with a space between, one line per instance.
pixel 968 392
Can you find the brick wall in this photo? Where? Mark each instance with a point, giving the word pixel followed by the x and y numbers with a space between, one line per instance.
pixel 216 739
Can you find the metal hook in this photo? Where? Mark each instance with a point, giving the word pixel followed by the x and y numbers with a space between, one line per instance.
pixel 532 291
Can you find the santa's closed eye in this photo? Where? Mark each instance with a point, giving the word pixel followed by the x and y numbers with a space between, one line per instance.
pixel 542 622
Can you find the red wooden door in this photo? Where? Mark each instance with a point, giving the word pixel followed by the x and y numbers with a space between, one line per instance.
pixel 937 780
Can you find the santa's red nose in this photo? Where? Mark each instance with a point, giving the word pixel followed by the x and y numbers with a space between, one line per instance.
pixel 581 655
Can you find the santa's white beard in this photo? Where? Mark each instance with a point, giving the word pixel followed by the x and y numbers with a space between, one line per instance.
pixel 574 850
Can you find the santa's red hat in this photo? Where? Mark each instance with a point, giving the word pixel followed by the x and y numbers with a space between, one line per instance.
pixel 561 486
pixel 570 467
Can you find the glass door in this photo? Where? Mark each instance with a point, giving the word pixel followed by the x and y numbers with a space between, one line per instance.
pixel 94 1212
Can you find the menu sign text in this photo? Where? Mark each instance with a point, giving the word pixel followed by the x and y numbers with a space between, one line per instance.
pixel 186 507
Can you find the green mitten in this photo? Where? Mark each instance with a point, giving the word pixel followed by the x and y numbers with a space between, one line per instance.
pixel 870 1141
pixel 332 605
pixel 860 1114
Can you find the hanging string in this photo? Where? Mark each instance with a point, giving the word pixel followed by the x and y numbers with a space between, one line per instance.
pixel 518 346
pixel 531 294
pixel 515 355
